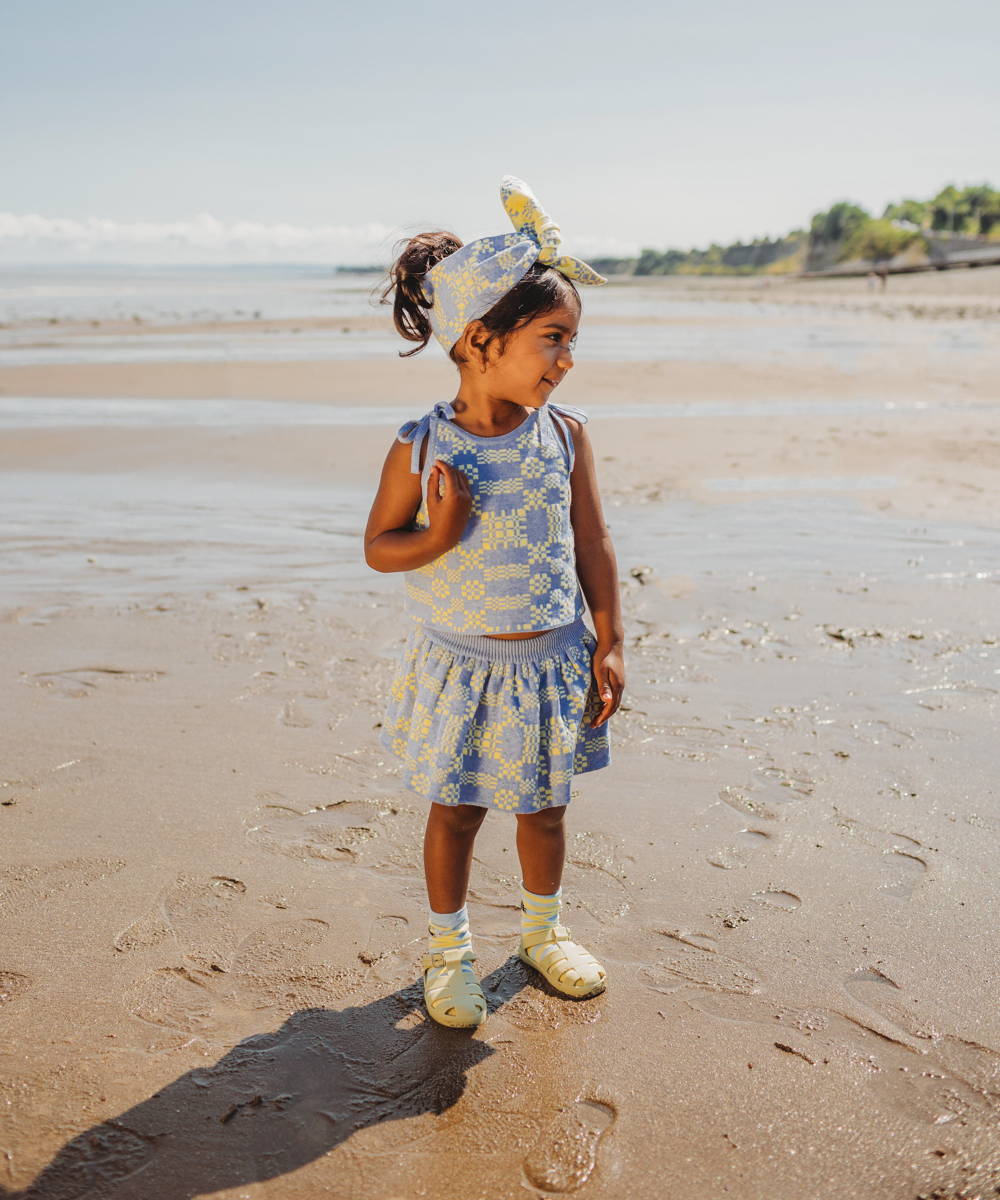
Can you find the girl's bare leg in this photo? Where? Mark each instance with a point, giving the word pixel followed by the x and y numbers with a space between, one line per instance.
pixel 448 842
pixel 541 847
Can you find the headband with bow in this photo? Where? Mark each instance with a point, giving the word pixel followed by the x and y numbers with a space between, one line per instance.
pixel 464 286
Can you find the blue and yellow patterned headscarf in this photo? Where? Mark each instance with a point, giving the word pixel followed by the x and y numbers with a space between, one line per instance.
pixel 465 285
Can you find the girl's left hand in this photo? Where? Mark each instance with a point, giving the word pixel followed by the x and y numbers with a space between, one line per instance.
pixel 609 675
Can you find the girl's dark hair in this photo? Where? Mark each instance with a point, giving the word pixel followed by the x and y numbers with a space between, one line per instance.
pixel 540 290
pixel 406 278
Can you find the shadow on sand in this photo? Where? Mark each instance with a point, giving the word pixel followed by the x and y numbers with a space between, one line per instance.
pixel 274 1103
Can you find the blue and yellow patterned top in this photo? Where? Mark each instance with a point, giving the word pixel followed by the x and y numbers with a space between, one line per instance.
pixel 514 569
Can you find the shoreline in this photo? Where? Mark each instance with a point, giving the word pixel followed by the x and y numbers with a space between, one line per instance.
pixel 933 462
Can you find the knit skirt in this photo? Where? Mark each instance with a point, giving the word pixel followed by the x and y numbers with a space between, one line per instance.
pixel 495 723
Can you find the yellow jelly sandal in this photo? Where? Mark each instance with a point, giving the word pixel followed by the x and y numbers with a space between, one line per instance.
pixel 568 967
pixel 451 989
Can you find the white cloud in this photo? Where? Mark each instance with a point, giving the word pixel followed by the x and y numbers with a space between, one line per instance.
pixel 203 239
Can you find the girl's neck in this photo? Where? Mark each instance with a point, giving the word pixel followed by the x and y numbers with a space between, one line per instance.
pixel 480 413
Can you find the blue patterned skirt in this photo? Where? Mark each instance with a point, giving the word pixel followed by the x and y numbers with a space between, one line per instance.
pixel 499 724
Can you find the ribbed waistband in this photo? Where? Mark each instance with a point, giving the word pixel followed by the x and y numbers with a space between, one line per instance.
pixel 502 650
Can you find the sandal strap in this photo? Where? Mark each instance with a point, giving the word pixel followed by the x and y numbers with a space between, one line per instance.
pixel 446 958
pixel 554 933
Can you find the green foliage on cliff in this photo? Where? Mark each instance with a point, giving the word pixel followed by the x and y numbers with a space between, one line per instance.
pixel 973 211
pixel 844 233
pixel 840 222
pixel 878 241
pixel 848 233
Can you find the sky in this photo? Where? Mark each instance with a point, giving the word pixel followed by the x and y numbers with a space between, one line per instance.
pixel 320 131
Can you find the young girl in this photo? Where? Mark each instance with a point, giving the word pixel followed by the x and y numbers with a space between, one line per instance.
pixel 490 506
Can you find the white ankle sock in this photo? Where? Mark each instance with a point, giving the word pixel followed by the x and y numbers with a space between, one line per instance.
pixel 449 931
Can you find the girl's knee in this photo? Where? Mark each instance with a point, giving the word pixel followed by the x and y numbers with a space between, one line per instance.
pixel 545 818
pixel 458 818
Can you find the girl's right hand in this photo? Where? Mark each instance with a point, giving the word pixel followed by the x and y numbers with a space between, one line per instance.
pixel 447 513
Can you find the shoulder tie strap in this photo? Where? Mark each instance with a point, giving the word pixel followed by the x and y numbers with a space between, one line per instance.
pixel 415 433
pixel 558 413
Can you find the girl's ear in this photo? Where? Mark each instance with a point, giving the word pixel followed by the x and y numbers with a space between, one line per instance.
pixel 475 338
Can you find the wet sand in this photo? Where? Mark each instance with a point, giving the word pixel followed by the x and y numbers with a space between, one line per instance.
pixel 210 892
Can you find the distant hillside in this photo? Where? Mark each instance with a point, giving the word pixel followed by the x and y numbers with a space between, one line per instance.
pixel 845 233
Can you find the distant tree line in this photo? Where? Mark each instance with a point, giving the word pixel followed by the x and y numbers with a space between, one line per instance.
pixel 762 254
pixel 844 233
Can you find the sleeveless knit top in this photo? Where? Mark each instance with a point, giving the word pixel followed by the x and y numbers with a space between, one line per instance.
pixel 514 569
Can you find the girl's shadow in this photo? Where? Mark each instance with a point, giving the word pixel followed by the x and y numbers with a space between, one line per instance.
pixel 275 1102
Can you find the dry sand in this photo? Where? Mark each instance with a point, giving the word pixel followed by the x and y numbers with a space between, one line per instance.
pixel 211 897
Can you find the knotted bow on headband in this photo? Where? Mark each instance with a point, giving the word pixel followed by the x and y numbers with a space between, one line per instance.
pixel 464 286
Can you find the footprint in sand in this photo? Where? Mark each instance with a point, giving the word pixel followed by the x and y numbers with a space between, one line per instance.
pixel 199 913
pixel 699 941
pixel 272 968
pixel 697 964
pixel 785 901
pixel 767 793
pixel 76 683
pixel 384 938
pixel 754 1009
pixel 174 998
pixel 293 716
pixel 272 948
pixel 564 1157
pixel 860 984
pixel 148 931
pixel 740 852
pixel 270 971
pixel 884 998
pixel 902 868
pixel 903 873
pixel 920 1073
pixel 382 833
pixel 391 953
pixel 955 1064
pixel 692 742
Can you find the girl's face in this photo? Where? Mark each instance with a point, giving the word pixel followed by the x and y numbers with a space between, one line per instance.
pixel 535 360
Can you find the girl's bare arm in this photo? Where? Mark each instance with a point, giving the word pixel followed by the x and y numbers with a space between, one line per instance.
pixel 391 544
pixel 598 572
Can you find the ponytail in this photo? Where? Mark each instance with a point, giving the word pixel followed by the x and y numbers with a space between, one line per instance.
pixel 410 304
